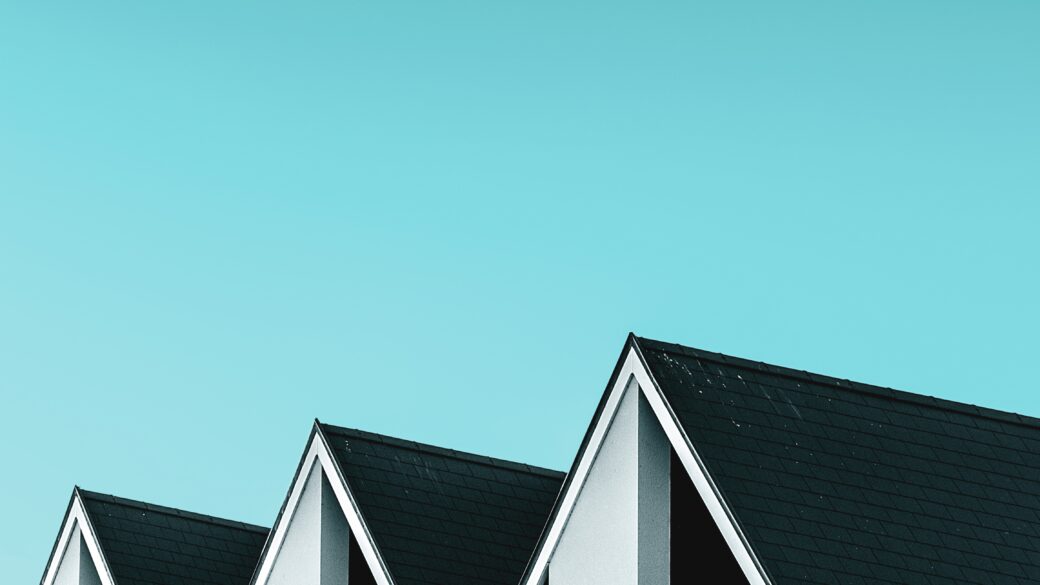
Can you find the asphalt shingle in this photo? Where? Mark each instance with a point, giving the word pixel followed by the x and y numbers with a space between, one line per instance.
pixel 147 544
pixel 443 516
pixel 834 481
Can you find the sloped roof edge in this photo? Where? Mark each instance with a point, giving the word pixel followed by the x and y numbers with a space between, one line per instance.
pixel 171 511
pixel 634 362
pixel 586 439
pixel 317 452
pixel 77 510
pixel 58 539
pixel 443 451
pixel 843 383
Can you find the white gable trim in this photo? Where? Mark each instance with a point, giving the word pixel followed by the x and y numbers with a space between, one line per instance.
pixel 77 516
pixel 634 372
pixel 318 454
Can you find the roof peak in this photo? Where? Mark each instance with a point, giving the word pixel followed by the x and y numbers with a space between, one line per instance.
pixel 841 383
pixel 442 451
pixel 108 498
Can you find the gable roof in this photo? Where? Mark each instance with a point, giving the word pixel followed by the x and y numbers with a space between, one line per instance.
pixel 146 544
pixel 443 516
pixel 834 481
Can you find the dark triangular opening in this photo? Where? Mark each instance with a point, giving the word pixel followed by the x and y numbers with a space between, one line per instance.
pixel 359 572
pixel 698 547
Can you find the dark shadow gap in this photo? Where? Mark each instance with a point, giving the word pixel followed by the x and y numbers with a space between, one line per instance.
pixel 698 550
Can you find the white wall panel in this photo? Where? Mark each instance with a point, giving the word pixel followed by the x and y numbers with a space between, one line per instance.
pixel 316 546
pixel 617 533
pixel 77 566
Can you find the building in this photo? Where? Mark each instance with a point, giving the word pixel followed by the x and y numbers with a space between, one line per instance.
pixel 365 508
pixel 695 464
pixel 106 540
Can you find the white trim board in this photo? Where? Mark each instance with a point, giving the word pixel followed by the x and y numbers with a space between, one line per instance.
pixel 633 371
pixel 318 453
pixel 77 516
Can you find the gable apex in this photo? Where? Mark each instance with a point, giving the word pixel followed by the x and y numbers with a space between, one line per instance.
pixel 441 515
pixel 111 529
pixel 318 458
pixel 631 372
pixel 77 533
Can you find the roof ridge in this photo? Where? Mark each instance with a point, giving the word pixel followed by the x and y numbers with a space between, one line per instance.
pixel 444 451
pixel 846 384
pixel 172 511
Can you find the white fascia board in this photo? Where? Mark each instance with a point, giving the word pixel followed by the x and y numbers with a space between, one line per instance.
pixel 634 372
pixel 318 454
pixel 77 516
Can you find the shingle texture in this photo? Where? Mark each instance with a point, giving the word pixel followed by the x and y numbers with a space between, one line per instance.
pixel 443 517
pixel 154 545
pixel 838 482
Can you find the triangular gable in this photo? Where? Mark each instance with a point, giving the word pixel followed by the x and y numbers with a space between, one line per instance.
pixel 317 539
pixel 318 503
pixel 618 529
pixel 420 513
pixel 76 566
pixel 77 558
pixel 631 377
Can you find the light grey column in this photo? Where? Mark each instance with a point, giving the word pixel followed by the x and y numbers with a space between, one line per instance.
pixel 77 566
pixel 335 539
pixel 654 501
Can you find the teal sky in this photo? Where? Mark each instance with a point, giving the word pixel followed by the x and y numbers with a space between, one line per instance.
pixel 439 219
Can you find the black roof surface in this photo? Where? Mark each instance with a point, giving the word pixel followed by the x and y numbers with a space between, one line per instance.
pixel 147 544
pixel 838 482
pixel 443 516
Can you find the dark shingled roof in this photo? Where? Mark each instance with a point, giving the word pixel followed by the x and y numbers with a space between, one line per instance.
pixel 147 544
pixel 442 516
pixel 838 482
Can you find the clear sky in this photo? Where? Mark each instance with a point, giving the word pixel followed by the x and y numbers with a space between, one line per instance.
pixel 439 219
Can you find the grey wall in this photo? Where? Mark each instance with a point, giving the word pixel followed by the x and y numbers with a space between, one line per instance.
pixel 88 570
pixel 316 546
pixel 617 533
pixel 77 566
pixel 68 569
pixel 335 539
pixel 655 457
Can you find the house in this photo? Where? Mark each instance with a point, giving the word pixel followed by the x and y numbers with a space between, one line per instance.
pixel 107 540
pixel 370 509
pixel 701 464
pixel 696 466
